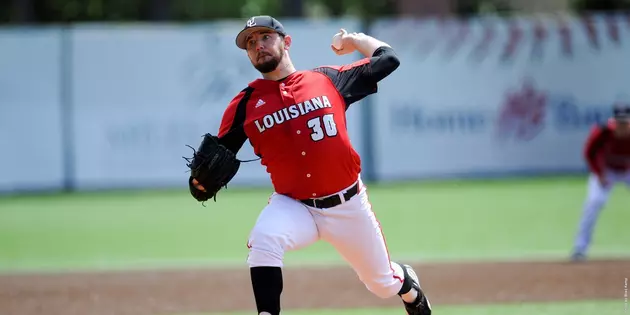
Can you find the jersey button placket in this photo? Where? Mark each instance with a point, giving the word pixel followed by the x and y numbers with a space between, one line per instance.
pixel 288 100
pixel 286 94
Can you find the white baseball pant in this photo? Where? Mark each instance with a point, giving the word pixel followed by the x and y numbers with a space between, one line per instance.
pixel 596 199
pixel 286 224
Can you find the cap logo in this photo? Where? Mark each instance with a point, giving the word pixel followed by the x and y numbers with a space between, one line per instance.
pixel 251 22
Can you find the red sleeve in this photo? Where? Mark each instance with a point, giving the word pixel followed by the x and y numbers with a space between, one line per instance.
pixel 593 151
pixel 231 131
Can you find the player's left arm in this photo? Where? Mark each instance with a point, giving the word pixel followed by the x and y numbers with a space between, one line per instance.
pixel 360 79
pixel 231 131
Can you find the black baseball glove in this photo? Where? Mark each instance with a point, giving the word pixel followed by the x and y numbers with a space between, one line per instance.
pixel 212 167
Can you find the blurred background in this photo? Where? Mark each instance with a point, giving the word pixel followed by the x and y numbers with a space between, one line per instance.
pixel 34 11
pixel 474 144
pixel 113 90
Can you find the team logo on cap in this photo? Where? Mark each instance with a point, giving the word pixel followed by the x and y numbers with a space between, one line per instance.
pixel 251 22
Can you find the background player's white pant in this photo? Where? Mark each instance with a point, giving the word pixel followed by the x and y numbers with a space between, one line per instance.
pixel 286 224
pixel 596 199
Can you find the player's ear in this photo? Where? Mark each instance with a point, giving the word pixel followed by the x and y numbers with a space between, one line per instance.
pixel 287 42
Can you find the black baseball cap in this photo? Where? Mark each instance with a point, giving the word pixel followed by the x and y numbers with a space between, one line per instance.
pixel 621 111
pixel 258 23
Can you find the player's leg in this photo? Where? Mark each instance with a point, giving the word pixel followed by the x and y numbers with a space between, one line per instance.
pixel 626 178
pixel 283 225
pixel 354 231
pixel 596 198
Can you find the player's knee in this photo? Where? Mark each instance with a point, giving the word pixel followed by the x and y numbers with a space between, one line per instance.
pixel 380 290
pixel 265 249
pixel 596 201
pixel 385 285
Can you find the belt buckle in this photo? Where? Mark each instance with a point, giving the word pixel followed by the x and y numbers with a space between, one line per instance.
pixel 316 203
pixel 336 199
pixel 321 203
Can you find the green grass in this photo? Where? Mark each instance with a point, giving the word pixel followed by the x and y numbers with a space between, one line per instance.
pixel 566 308
pixel 473 220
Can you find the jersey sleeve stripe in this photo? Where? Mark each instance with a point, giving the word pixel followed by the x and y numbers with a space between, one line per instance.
pixel 234 136
pixel 346 67
pixel 241 109
pixel 235 115
pixel 358 63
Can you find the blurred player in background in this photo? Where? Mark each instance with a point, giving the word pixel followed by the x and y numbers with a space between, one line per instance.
pixel 607 153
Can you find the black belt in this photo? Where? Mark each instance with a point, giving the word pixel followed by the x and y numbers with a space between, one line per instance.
pixel 332 201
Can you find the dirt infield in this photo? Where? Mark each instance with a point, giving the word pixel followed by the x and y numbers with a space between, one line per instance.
pixel 181 291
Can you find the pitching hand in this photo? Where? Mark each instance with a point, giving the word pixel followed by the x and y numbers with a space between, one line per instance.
pixel 347 43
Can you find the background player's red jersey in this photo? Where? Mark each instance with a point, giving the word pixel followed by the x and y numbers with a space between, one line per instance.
pixel 604 150
pixel 297 126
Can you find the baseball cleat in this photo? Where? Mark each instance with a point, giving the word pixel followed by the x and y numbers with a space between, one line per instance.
pixel 578 257
pixel 421 306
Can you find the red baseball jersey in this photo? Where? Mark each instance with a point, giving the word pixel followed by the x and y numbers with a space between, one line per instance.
pixel 297 126
pixel 604 150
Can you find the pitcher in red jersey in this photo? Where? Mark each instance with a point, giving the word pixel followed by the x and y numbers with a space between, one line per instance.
pixel 607 153
pixel 296 123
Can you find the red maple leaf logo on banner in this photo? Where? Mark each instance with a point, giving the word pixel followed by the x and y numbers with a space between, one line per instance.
pixel 522 116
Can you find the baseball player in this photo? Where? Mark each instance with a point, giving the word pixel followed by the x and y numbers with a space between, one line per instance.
pixel 296 123
pixel 607 153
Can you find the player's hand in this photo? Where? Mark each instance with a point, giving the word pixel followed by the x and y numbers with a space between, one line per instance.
pixel 347 43
pixel 198 185
pixel 603 181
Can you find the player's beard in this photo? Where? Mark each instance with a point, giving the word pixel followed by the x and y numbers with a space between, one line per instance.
pixel 269 65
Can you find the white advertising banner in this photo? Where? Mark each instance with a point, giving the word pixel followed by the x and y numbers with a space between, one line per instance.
pixel 141 93
pixel 31 151
pixel 496 97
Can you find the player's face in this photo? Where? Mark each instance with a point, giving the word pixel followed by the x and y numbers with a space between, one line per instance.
pixel 265 50
pixel 623 127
